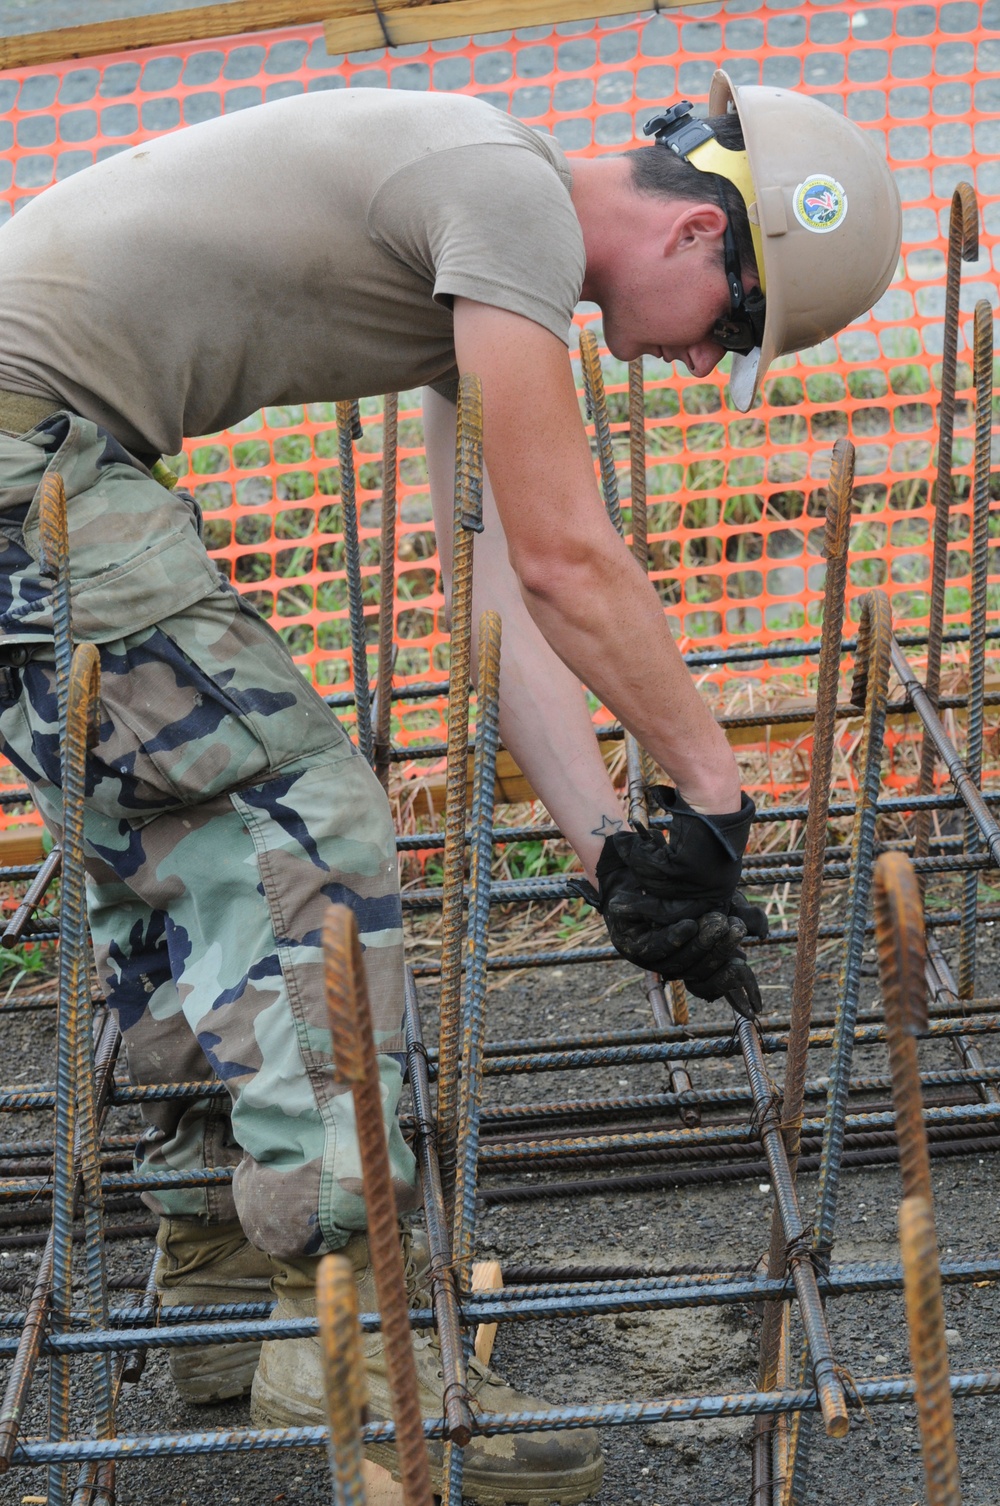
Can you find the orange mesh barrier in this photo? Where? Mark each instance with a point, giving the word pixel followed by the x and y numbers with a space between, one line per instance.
pixel 736 501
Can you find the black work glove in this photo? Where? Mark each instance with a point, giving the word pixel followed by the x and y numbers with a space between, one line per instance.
pixel 696 864
pixel 673 908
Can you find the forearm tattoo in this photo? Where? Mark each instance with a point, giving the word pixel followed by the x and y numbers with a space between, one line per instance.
pixel 609 825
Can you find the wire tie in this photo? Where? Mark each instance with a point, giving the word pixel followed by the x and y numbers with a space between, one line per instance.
pixel 382 25
pixel 850 1385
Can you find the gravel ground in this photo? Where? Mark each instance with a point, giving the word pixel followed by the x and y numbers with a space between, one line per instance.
pixel 640 1355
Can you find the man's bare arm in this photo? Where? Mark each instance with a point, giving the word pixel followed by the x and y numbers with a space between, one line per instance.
pixel 544 720
pixel 589 599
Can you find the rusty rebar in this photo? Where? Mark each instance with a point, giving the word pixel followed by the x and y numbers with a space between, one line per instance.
pixel 387 589
pixel 473 1011
pixel 344 1387
pixel 468 520
pixel 54 562
pixel 929 1350
pixel 82 712
pixel 899 931
pixel 983 374
pixel 13 931
pixel 833 1402
pixel 899 935
pixel 355 1064
pixel 349 429
pixel 870 690
pixel 637 460
pixel 835 549
pixel 29 1344
pixel 444 1295
pixel 593 386
pixel 963 245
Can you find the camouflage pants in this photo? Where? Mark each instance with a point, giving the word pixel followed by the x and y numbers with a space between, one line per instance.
pixel 226 809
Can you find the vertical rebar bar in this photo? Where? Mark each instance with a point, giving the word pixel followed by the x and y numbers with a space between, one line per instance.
pixel 473 1009
pixel 355 1064
pixel 870 690
pixel 829 1389
pixel 637 460
pixel 593 386
pixel 963 245
pixel 929 1351
pixel 899 936
pixel 899 931
pixel 343 1376
pixel 983 373
pixel 442 1275
pixel 22 1371
pixel 835 549
pixel 473 1012
pixel 54 562
pixel 468 520
pixel 74 958
pixel 348 429
pixel 387 588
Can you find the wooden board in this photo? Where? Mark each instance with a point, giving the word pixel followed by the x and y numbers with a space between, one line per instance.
pixel 380 1488
pixel 352 25
pixel 354 28
pixel 486 1277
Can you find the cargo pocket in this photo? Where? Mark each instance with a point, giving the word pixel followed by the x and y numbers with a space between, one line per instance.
pixel 201 704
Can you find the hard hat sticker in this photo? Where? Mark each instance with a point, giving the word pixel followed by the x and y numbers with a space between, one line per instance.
pixel 820 203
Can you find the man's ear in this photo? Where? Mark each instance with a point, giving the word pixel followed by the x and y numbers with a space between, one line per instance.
pixel 693 224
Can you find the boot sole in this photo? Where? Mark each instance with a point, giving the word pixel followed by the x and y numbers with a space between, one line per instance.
pixel 220 1372
pixel 525 1489
pixel 269 1409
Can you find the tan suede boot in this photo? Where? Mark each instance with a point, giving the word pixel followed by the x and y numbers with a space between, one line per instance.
pixel 534 1468
pixel 203 1265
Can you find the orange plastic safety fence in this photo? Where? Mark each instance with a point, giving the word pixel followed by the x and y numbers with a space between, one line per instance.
pixel 736 501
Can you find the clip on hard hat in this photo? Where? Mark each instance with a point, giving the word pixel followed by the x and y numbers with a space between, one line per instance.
pixel 679 129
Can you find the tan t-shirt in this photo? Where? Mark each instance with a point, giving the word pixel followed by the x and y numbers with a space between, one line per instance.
pixel 301 251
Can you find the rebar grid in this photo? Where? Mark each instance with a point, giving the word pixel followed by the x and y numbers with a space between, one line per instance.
pixel 742 1133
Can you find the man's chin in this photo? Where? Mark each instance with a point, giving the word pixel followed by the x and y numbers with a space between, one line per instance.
pixel 620 351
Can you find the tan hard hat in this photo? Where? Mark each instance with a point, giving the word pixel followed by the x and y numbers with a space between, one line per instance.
pixel 825 216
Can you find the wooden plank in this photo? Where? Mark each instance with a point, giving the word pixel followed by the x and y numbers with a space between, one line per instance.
pixel 352 28
pixel 21 844
pixel 191 24
pixel 486 1277
pixel 380 1488
pixel 352 25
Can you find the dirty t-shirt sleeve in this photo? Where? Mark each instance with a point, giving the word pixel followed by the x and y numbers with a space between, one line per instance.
pixel 490 222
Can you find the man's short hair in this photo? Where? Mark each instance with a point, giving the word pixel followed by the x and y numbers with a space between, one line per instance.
pixel 657 170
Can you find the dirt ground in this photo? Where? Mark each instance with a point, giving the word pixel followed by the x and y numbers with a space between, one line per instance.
pixel 633 1356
